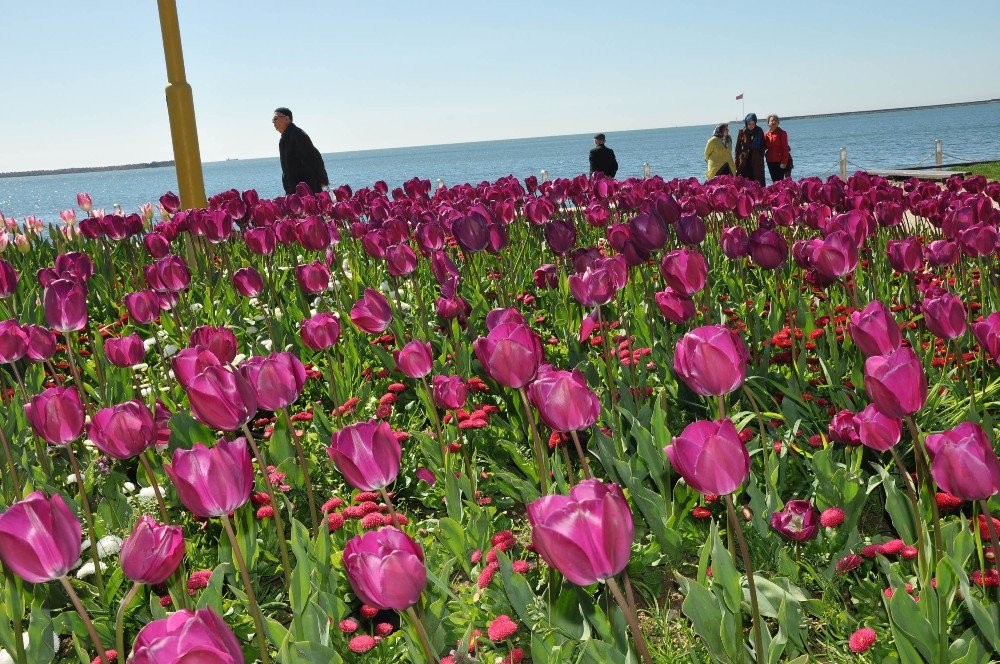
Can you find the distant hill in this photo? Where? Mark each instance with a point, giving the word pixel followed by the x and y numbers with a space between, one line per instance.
pixel 88 169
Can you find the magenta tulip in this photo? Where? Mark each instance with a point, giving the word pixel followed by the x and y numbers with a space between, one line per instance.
pixel 711 360
pixel 449 392
pixel 876 430
pixel 768 248
pixel 321 331
pixel 190 362
pixel 987 333
pixel 896 382
pixel 65 304
pixel 386 569
pixel 675 307
pixel 8 276
pixel 221 398
pixel 797 522
pixel 248 282
pixel 156 244
pixel 735 242
pixel 415 359
pixel 586 535
pixel 277 379
pixel 125 351
pixel 152 552
pixel 874 329
pixel 56 415
pixel 685 271
pixel 905 255
pixel 185 637
pixel 124 430
pixel 511 354
pixel 218 339
pixel 599 283
pixel 563 399
pixel 401 260
pixel 710 457
pixel 212 481
pixel 690 229
pixel 371 313
pixel 944 316
pixel 13 342
pixel 41 343
pixel 75 266
pixel 260 241
pixel 843 428
pixel 942 253
pixel 168 274
pixel 39 538
pixel 963 462
pixel 367 453
pixel 143 306
pixel 835 255
pixel 313 277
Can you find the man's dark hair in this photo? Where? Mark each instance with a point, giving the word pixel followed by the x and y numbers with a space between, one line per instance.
pixel 284 111
pixel 599 137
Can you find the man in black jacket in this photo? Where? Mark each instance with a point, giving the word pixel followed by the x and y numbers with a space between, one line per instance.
pixel 602 158
pixel 300 160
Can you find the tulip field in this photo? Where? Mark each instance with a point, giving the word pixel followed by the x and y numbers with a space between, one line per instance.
pixel 570 421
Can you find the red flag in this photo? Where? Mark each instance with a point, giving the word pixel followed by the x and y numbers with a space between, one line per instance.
pixel 739 96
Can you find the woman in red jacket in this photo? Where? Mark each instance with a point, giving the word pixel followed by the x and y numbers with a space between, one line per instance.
pixel 779 157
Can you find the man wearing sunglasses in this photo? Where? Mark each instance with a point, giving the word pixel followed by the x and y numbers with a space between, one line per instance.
pixel 300 160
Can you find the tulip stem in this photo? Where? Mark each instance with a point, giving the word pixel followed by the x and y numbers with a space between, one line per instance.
pixel 76 374
pixel 764 452
pixel 632 619
pixel 466 456
pixel 278 523
pixel 120 618
pixel 156 487
pixel 296 440
pixel 265 656
pixel 583 457
pixel 11 466
pixel 434 416
pixel 89 516
pixel 392 511
pixel 991 528
pixel 734 523
pixel 612 381
pixel 543 471
pixel 17 615
pixel 86 618
pixel 924 470
pixel 418 625
pixel 918 518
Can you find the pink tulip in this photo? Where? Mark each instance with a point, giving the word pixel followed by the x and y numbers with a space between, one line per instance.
pixel 313 277
pixel 876 430
pixel 65 304
pixel 39 538
pixel 170 202
pixel 797 522
pixel 735 242
pixel 41 343
pixel 221 398
pixel 586 535
pixel 219 339
pixel 152 552
pixel 190 362
pixel 277 379
pixel 124 430
pixel 944 316
pixel 85 202
pixel 187 636
pixel 598 284
pixel 511 354
pixel 449 392
pixel 143 306
pixel 874 329
pixel 367 453
pixel 675 307
pixel 835 256
pixel 321 331
pixel 401 260
pixel 685 271
pixel 56 415
pixel 711 360
pixel 905 255
pixel 313 234
pixel 415 360
pixel 563 399
pixel 125 351
pixel 710 457
pixel 843 428
pixel 987 333
pixel 13 342
pixel 385 568
pixel 896 382
pixel 248 282
pixel 963 462
pixel 260 241
pixel 212 481
pixel 169 274
pixel 8 277
pixel 157 245
pixel 371 313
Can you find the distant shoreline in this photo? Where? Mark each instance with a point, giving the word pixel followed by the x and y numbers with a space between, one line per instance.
pixel 162 164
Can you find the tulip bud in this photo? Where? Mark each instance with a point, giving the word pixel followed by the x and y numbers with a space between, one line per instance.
pixel 563 399
pixel 415 360
pixel 449 392
pixel 13 342
pixel 123 431
pixel 313 277
pixel 65 304
pixel 152 552
pixel 874 329
pixel 710 457
pixel 963 462
pixel 987 333
pixel 8 277
pixel 367 453
pixel 371 313
pixel 212 481
pixel 56 415
pixel 248 282
pixel 85 202
pixel 768 248
pixel 876 430
pixel 944 316
pixel 896 382
pixel 385 568
pixel 143 307
pixel 187 636
pixel 711 360
pixel 41 343
pixel 39 538
pixel 125 351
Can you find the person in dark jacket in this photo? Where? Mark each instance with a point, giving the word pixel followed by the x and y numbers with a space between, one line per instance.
pixel 300 160
pixel 602 158
pixel 750 147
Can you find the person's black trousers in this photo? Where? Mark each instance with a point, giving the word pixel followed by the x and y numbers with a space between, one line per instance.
pixel 777 172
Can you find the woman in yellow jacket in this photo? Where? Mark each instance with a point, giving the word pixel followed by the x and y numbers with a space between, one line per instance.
pixel 719 153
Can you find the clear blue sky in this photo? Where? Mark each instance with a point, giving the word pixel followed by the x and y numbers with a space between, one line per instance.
pixel 82 82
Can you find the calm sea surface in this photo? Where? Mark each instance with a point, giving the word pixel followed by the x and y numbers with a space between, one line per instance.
pixel 873 140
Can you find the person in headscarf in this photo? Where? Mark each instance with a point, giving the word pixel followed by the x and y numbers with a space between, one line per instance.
pixel 750 147
pixel 719 153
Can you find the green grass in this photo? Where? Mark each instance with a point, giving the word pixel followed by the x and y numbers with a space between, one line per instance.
pixel 991 169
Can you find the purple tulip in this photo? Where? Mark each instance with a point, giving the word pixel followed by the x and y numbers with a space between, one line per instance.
pixel 313 234
pixel 401 260
pixel 586 535
pixel 905 255
pixel 598 284
pixel 169 274
pixel 143 306
pixel 221 398
pixel 471 231
pixel 896 382
pixel 41 343
pixel 260 241
pixel 187 636
pixel 385 568
pixel 248 282
pixel 190 362
pixel 367 453
pixel 75 266
pixel 685 271
pixel 416 359
pixel 560 235
pixel 277 379
pixel 56 415
pixel 65 304
pixel 798 522
pixel 124 430
pixel 313 277
pixel 171 202
pixel 8 279
pixel 649 230
pixel 13 342
pixel 874 329
pixel 563 399
pixel 944 316
pixel 125 351
pixel 546 276
pixel 691 229
pixel 843 428
pixel 675 307
pixel 157 245
pixel 963 462
pixel 942 253
pixel 321 331
pixel 710 457
pixel 735 242
pixel 876 430
pixel 987 333
pixel 511 354
pixel 768 248
pixel 212 481
pixel 39 538
pixel 711 360
pixel 834 256
pixel 449 392
pixel 152 552
pixel 219 339
pixel 371 313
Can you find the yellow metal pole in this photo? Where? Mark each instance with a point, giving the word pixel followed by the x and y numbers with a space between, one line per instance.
pixel 180 107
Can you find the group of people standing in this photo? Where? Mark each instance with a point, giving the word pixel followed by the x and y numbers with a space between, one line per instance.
pixel 754 148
